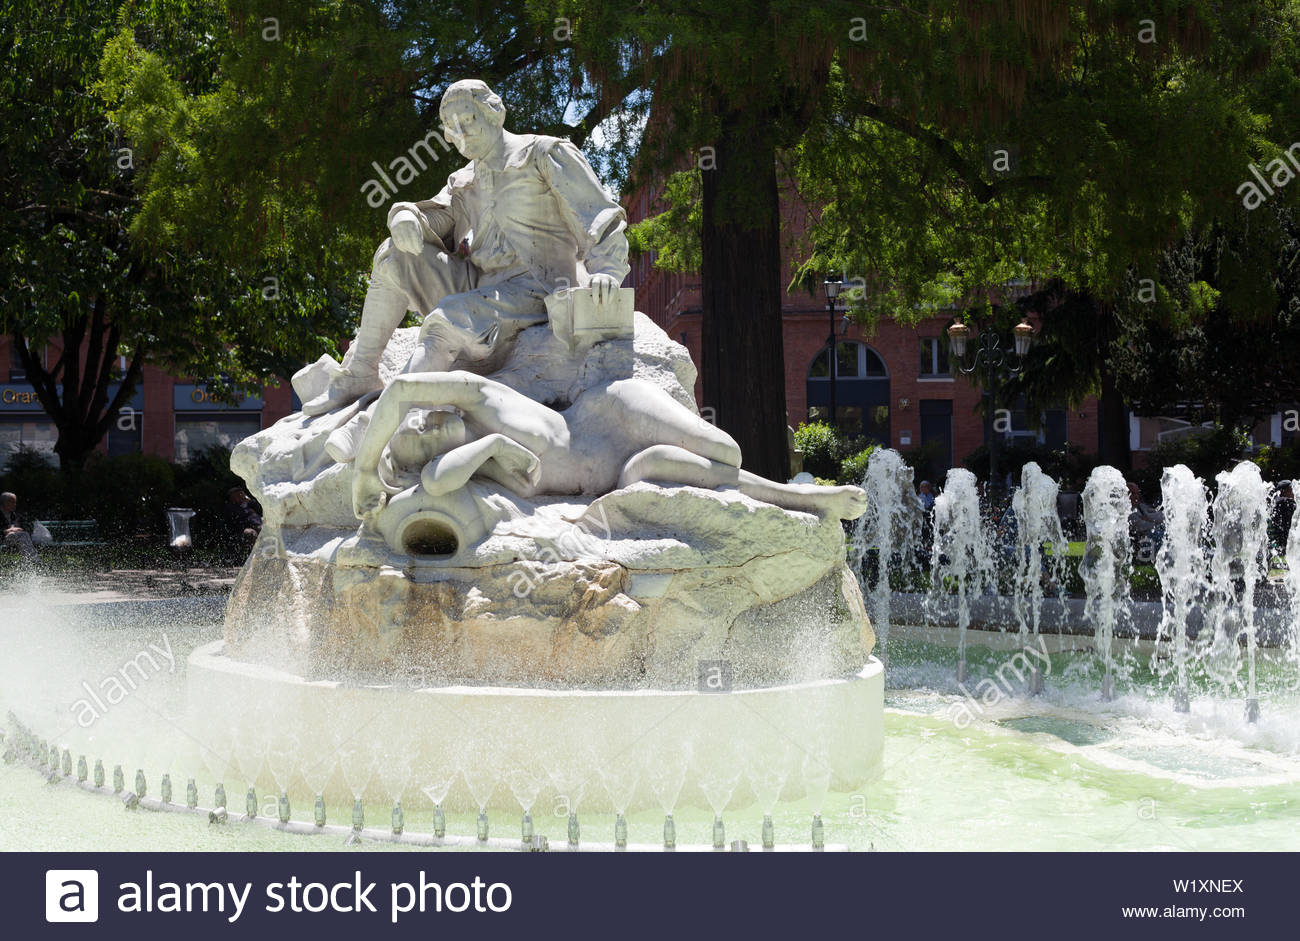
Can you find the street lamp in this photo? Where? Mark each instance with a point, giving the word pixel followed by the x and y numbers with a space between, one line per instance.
pixel 996 364
pixel 833 289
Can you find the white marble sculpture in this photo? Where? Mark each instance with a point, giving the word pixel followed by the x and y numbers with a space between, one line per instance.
pixel 507 499
pixel 525 219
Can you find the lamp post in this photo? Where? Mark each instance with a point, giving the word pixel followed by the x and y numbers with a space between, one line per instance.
pixel 833 289
pixel 996 363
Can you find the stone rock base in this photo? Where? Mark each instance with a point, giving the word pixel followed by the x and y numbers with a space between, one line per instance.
pixel 576 624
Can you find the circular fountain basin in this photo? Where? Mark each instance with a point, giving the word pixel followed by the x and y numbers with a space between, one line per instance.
pixel 601 748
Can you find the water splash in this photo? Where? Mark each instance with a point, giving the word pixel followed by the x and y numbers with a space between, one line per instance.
pixel 1240 559
pixel 1038 527
pixel 1107 563
pixel 1181 565
pixel 891 526
pixel 961 560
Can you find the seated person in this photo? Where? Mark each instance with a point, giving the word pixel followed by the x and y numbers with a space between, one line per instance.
pixel 1146 526
pixel 17 530
pixel 239 522
pixel 611 437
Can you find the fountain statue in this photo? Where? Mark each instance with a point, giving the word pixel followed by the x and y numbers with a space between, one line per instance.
pixel 520 498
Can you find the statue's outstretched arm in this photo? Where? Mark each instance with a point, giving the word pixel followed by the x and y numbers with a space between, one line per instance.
pixel 496 408
pixel 496 457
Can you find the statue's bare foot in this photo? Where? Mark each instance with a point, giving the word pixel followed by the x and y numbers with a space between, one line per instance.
pixel 847 503
pixel 345 388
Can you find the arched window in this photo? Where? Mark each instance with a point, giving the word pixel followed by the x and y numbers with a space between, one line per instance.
pixel 861 390
pixel 852 361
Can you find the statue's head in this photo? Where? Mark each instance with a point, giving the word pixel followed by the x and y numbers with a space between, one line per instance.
pixel 472 117
pixel 424 435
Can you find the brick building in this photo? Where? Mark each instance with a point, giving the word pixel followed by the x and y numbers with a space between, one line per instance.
pixel 170 417
pixel 895 386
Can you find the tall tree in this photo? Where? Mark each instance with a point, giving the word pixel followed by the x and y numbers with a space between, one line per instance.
pixel 969 146
pixel 1224 341
pixel 72 270
pixel 725 88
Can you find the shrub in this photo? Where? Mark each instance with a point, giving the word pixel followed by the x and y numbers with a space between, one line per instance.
pixel 854 468
pixel 1279 462
pixel 819 443
pixel 1068 465
pixel 825 451
pixel 33 477
pixel 1205 455
pixel 126 495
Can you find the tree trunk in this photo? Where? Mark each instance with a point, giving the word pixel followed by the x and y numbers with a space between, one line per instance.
pixel 743 359
pixel 1112 427
pixel 81 409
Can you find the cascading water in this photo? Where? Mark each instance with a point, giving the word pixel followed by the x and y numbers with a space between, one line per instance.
pixel 1293 590
pixel 891 526
pixel 1181 565
pixel 1106 563
pixel 1038 527
pixel 1240 559
pixel 962 556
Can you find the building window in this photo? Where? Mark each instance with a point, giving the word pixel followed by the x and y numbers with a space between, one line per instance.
pixel 196 433
pixel 1050 428
pixel 28 433
pixel 861 391
pixel 852 361
pixel 934 358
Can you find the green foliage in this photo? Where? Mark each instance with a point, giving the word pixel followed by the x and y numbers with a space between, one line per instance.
pixel 854 468
pixel 1217 449
pixel 832 457
pixel 1118 148
pixel 97 244
pixel 128 495
pixel 820 444
pixel 1069 466
pixel 37 483
pixel 1279 462
pixel 1224 346
pixel 674 234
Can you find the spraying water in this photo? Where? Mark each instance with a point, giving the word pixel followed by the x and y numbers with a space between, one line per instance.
pixel 892 526
pixel 1293 588
pixel 1181 565
pixel 1240 558
pixel 962 558
pixel 1107 562
pixel 1038 527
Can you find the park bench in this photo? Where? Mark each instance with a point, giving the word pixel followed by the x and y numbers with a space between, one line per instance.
pixel 73 534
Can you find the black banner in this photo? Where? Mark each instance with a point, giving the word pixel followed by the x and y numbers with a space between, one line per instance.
pixel 565 894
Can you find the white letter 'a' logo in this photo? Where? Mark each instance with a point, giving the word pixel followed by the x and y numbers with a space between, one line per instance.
pixel 71 895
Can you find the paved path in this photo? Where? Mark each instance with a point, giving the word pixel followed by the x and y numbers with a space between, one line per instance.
pixel 62 588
